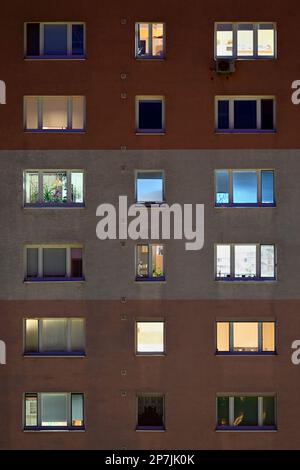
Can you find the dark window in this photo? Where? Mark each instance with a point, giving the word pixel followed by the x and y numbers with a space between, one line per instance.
pixel 268 411
pixel 223 411
pixel 33 39
pixel 76 262
pixel 245 411
pixel 55 39
pixel 54 262
pixel 77 39
pixel 267 114
pixel 245 114
pixel 150 115
pixel 32 262
pixel 151 412
pixel 223 114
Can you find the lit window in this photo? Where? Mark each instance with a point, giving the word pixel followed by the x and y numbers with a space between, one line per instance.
pixel 54 411
pixel 150 337
pixel 245 262
pixel 54 113
pixel 53 263
pixel 243 413
pixel 53 188
pixel 245 40
pixel 243 337
pixel 244 188
pixel 150 40
pixel 150 262
pixel 245 113
pixel 149 187
pixel 150 412
pixel 150 114
pixel 52 336
pixel 55 40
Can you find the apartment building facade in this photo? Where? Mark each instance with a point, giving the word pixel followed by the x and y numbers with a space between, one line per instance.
pixel 141 344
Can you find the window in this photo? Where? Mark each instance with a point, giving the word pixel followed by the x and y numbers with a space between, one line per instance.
pixel 245 337
pixel 149 187
pixel 240 413
pixel 245 262
pixel 244 188
pixel 150 40
pixel 150 262
pixel 53 263
pixel 151 412
pixel 53 188
pixel 54 113
pixel 150 114
pixel 245 40
pixel 55 40
pixel 245 113
pixel 54 411
pixel 150 337
pixel 51 336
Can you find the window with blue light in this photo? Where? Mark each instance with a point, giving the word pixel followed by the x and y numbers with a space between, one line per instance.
pixel 149 187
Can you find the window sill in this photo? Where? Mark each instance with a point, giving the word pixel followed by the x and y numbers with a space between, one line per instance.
pixel 247 354
pixel 150 204
pixel 150 132
pixel 149 354
pixel 150 279
pixel 150 429
pixel 54 57
pixel 59 354
pixel 245 279
pixel 151 58
pixel 53 279
pixel 244 131
pixel 54 131
pixel 53 429
pixel 55 206
pixel 246 428
pixel 243 206
pixel 246 58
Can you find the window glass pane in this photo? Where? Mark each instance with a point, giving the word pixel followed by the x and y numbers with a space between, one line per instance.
pixel 269 411
pixel 54 334
pixel 157 260
pixel 267 261
pixel 78 110
pixel 245 40
pixel 31 335
pixel 33 39
pixel 267 187
pixel 78 39
pixel 150 336
pixel 222 187
pixel 245 261
pixel 32 188
pixel 55 187
pixel 223 411
pixel 32 262
pixel 76 262
pixel 245 411
pixel 224 40
pixel 245 114
pixel 268 336
pixel 55 39
pixel 77 334
pixel 31 410
pixel 142 261
pixel 54 409
pixel 244 187
pixel 245 336
pixel 267 112
pixel 77 187
pixel 150 115
pixel 54 262
pixel 31 111
pixel 223 114
pixel 55 112
pixel 149 187
pixel 157 39
pixel 222 336
pixel 150 411
pixel 266 40
pixel 223 261
pixel 77 409
pixel 143 39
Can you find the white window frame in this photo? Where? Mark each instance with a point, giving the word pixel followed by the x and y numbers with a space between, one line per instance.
pixel 39 104
pixel 140 131
pixel 150 33
pixel 40 276
pixel 136 173
pixel 255 55
pixel 150 267
pixel 41 202
pixel 260 398
pixel 258 276
pixel 150 353
pixel 69 55
pixel 231 99
pixel 259 187
pixel 260 350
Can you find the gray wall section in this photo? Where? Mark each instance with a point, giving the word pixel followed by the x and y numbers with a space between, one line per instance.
pixel 108 266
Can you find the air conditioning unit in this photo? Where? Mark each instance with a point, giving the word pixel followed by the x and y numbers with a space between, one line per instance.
pixel 225 66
